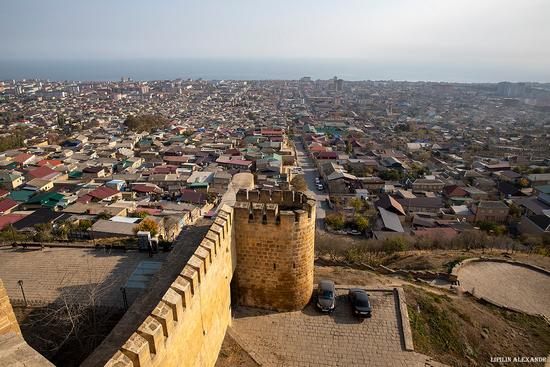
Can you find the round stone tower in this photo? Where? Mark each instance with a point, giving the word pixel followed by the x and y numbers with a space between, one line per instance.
pixel 274 239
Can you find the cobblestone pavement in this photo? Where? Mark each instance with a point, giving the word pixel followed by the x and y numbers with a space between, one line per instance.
pixel 507 284
pixel 46 273
pixel 310 338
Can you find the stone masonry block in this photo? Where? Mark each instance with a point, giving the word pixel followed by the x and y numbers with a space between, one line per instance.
pixel 204 255
pixel 222 222
pixel 198 264
pixel 192 276
pixel 287 219
pixel 164 314
pixel 183 287
pixel 137 349
pixel 301 216
pixel 151 330
pixel 271 211
pixel 210 247
pixel 212 236
pixel 119 360
pixel 175 301
pixel 215 227
pixel 276 196
pixel 265 196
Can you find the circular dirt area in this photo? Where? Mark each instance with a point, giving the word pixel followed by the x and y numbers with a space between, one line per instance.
pixel 507 284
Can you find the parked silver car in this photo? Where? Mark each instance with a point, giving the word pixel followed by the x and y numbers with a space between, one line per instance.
pixel 326 296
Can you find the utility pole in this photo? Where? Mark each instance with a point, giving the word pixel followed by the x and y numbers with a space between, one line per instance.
pixel 20 282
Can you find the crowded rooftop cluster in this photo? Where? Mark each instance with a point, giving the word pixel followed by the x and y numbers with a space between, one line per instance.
pixel 89 160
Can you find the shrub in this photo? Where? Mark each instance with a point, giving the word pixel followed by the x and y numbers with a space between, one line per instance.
pixel 395 244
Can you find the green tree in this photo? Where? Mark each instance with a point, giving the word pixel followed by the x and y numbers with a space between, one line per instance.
pixel 335 220
pixel 391 175
pixel 140 214
pixel 104 215
pixel 147 225
pixel 43 232
pixel 361 223
pixel 299 183
pixel 356 204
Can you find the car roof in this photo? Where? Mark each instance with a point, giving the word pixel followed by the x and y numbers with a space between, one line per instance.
pixel 326 284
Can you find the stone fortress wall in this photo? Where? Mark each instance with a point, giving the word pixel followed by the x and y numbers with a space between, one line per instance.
pixel 8 322
pixel 14 350
pixel 275 248
pixel 266 241
pixel 188 325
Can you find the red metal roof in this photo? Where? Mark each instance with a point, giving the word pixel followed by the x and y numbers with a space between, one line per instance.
pixel 9 219
pixel 7 204
pixel 21 158
pixel 49 162
pixel 103 192
pixel 42 172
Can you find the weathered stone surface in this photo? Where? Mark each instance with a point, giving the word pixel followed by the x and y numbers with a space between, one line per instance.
pixel 275 251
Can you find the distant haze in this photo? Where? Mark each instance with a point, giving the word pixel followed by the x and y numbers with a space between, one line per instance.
pixel 454 40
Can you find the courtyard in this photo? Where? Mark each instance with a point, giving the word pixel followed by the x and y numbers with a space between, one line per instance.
pixel 311 338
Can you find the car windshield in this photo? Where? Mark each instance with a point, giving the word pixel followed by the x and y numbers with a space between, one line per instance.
pixel 362 300
pixel 327 295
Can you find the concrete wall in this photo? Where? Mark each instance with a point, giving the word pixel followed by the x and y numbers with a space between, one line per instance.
pixel 275 249
pixel 188 325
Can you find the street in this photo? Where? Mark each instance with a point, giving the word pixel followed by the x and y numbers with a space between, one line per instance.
pixel 310 173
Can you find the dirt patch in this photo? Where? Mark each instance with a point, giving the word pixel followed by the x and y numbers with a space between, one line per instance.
pixel 508 284
pixel 460 331
pixel 345 275
pixel 444 260
pixel 231 354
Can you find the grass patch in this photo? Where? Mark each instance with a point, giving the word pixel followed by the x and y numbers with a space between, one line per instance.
pixel 432 325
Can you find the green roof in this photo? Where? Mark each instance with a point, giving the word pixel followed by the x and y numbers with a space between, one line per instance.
pixel 47 199
pixel 75 174
pixel 545 189
pixel 22 195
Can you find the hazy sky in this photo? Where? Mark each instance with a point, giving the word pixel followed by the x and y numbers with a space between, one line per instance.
pixel 485 32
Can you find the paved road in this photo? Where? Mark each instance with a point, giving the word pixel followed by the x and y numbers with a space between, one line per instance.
pixel 310 173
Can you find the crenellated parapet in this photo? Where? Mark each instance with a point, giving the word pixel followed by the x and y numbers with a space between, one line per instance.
pixel 187 325
pixel 274 206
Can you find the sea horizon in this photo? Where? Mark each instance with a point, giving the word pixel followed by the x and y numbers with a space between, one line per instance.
pixel 262 69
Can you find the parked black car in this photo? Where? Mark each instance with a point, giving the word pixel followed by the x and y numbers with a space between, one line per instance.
pixel 360 303
pixel 326 296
